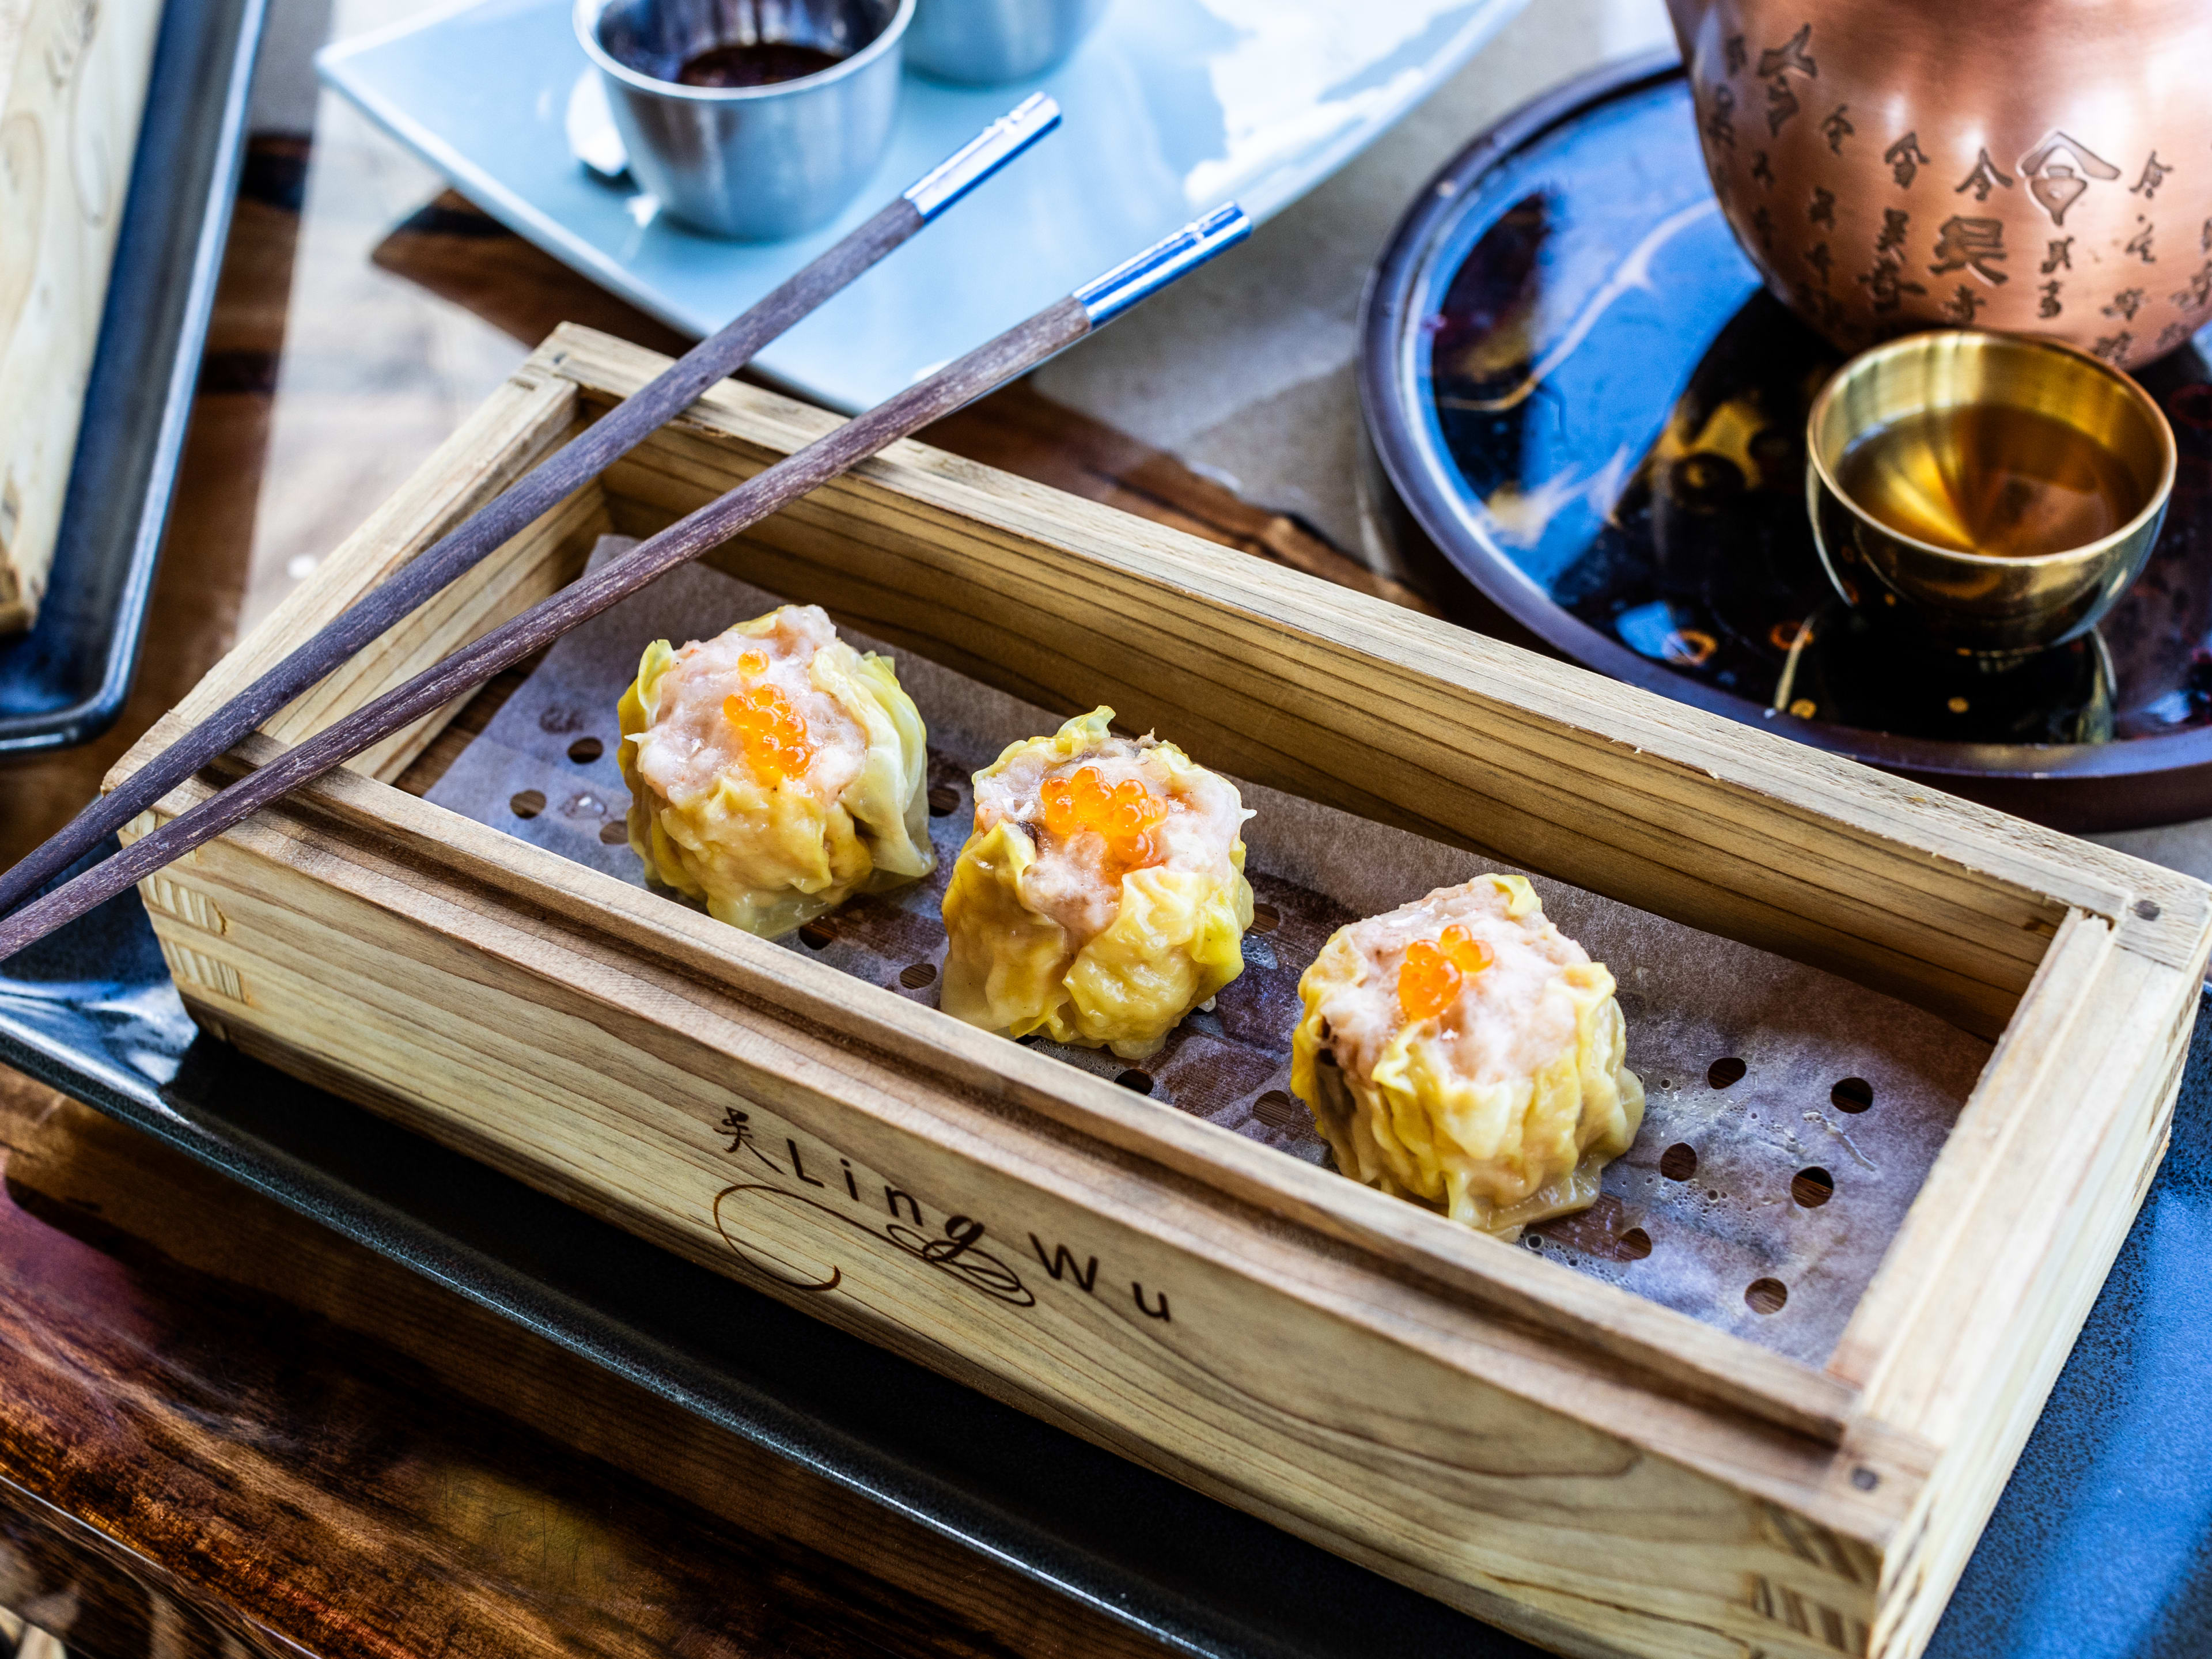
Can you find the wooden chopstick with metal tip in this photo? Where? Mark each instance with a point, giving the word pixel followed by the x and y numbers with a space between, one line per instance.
pixel 1017 351
pixel 598 447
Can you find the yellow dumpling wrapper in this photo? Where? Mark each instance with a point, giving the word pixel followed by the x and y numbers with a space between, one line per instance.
pixel 770 854
pixel 1045 935
pixel 1501 1111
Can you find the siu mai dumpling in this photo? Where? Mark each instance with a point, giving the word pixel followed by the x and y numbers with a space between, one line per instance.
pixel 1101 896
pixel 1462 1051
pixel 774 771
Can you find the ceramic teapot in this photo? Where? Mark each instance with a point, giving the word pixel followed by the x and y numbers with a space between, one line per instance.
pixel 2039 166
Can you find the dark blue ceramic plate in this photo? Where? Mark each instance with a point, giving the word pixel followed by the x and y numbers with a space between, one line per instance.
pixel 65 680
pixel 1591 417
pixel 2101 1547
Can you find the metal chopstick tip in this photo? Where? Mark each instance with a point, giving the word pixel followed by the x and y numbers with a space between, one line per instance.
pixel 983 154
pixel 1109 296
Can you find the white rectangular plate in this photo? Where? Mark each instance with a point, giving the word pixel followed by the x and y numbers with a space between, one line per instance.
pixel 1173 106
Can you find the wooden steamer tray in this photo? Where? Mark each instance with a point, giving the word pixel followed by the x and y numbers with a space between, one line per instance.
pixel 1592 1470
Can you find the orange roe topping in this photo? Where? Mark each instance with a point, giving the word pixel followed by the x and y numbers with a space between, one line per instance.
pixel 752 662
pixel 774 732
pixel 1123 815
pixel 1436 970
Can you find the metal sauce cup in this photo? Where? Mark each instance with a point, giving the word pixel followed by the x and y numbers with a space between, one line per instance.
pixel 755 163
pixel 984 42
pixel 1980 603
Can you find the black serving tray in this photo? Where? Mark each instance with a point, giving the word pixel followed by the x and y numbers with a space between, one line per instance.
pixel 64 681
pixel 2101 1547
pixel 1590 416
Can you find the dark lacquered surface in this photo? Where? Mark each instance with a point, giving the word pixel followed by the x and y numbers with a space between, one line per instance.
pixel 630 1454
pixel 1597 415
pixel 91 1011
pixel 2101 1547
pixel 66 679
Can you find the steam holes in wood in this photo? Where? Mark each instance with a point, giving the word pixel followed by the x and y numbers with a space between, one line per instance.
pixel 1679 1162
pixel 1723 1073
pixel 585 751
pixel 528 803
pixel 1853 1094
pixel 1766 1295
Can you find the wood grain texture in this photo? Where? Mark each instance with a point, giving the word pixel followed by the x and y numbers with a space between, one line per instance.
pixel 1602 1474
pixel 491 527
pixel 1414 1434
pixel 198 584
pixel 394 716
pixel 72 85
pixel 221 1424
pixel 1551 766
pixel 454 249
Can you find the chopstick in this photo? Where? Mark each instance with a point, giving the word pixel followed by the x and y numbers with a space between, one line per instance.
pixel 1014 352
pixel 577 462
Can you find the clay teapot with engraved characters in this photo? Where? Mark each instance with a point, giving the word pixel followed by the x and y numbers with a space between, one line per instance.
pixel 2039 166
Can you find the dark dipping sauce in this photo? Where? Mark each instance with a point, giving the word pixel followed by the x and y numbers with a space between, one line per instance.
pixel 763 64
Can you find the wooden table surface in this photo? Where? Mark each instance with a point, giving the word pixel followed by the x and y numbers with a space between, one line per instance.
pixel 225 1429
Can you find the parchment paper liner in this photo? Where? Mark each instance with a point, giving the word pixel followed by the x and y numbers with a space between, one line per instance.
pixel 1708 1213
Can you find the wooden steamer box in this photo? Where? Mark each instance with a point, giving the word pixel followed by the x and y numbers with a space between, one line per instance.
pixel 1556 1455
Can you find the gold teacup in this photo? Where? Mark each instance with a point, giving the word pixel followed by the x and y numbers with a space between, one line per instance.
pixel 1996 492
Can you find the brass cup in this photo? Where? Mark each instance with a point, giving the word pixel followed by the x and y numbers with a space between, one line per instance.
pixel 1975 602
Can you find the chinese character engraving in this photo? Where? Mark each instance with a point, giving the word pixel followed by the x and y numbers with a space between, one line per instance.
pixel 2049 306
pixel 1970 245
pixel 2199 291
pixel 2059 169
pixel 1823 210
pixel 2125 303
pixel 738 1125
pixel 1736 54
pixel 1893 221
pixel 1761 169
pixel 2139 244
pixel 2059 255
pixel 1762 222
pixel 1836 129
pixel 1790 55
pixel 2204 238
pixel 1887 285
pixel 1781 104
pixel 2113 347
pixel 1775 65
pixel 1720 125
pixel 1985 178
pixel 1820 259
pixel 2154 174
pixel 1961 307
pixel 1904 159
pixel 2169 337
